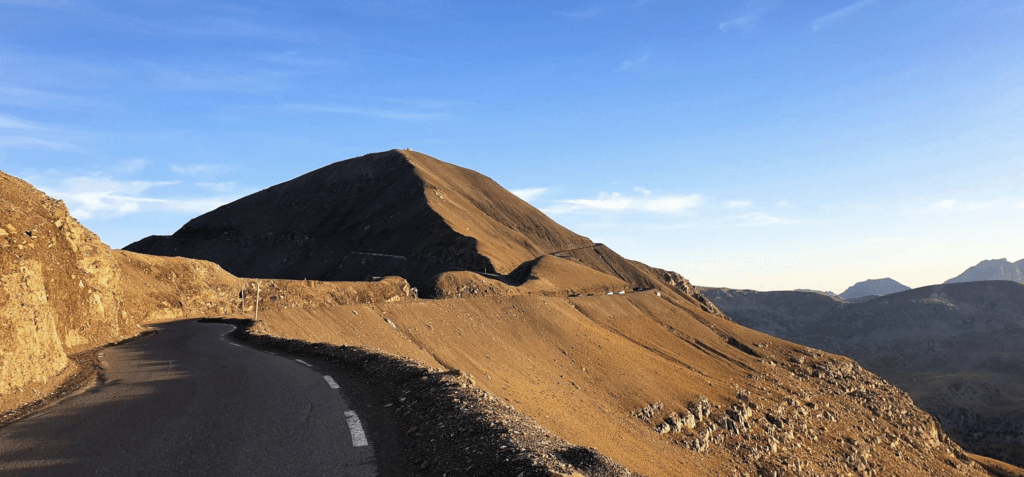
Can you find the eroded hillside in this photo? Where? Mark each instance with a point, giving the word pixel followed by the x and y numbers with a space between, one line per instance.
pixel 399 213
pixel 955 348
pixel 602 352
pixel 63 291
pixel 665 390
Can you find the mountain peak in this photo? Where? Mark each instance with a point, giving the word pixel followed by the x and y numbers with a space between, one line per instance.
pixel 996 269
pixel 881 286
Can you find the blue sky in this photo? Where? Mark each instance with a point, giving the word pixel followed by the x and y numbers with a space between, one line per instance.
pixel 750 144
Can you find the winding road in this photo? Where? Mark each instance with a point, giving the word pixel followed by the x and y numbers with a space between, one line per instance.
pixel 189 401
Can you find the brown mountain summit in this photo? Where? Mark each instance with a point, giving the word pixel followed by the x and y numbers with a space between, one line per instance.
pixel 395 211
pixel 407 214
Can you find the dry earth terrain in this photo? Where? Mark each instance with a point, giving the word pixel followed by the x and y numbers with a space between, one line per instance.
pixel 955 348
pixel 574 360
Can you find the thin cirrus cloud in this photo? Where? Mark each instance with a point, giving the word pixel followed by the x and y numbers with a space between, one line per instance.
pixel 953 204
pixel 617 202
pixel 826 20
pixel 749 219
pixel 32 98
pixel 222 187
pixel 29 134
pixel 529 194
pixel 39 3
pixel 99 196
pixel 133 165
pixel 630 64
pixel 582 14
pixel 738 22
pixel 11 122
pixel 214 79
pixel 381 113
pixel 738 204
pixel 196 169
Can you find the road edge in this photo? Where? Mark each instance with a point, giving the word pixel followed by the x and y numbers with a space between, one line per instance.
pixel 85 374
pixel 453 426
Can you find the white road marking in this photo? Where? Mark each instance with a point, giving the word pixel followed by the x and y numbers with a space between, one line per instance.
pixel 330 382
pixel 304 363
pixel 356 428
pixel 236 344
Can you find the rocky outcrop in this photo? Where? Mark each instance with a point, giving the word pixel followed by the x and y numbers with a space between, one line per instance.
pixel 63 291
pixel 955 348
pixel 58 286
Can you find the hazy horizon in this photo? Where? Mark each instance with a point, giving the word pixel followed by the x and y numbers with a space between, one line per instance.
pixel 761 144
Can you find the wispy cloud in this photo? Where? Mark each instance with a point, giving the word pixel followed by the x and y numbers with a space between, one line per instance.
pixel 739 22
pixel 782 203
pixel 91 196
pixel 738 204
pixel 11 122
pixel 396 114
pixel 953 204
pixel 428 103
pixel 30 134
pixel 529 194
pixel 215 79
pixel 33 98
pixel 583 14
pixel 298 60
pixel 196 169
pixel 886 240
pixel 222 187
pixel 601 9
pixel 133 165
pixel 826 20
pixel 617 202
pixel 629 64
pixel 9 142
pixel 751 219
pixel 232 25
pixel 40 3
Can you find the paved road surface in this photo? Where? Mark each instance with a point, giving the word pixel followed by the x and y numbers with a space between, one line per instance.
pixel 187 401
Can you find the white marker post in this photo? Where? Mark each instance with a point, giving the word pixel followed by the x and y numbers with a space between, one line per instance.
pixel 257 302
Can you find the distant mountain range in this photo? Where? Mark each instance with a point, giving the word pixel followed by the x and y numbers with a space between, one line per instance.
pixel 955 348
pixel 1001 269
pixel 879 287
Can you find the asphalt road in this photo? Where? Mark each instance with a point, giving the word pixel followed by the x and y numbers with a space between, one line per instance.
pixel 188 401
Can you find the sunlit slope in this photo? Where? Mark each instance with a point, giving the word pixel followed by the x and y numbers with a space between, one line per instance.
pixel 395 213
pixel 611 372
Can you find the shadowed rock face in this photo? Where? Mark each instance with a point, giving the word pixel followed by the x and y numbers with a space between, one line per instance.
pixel 396 213
pixel 880 287
pixel 955 348
pixel 391 213
pixel 1000 269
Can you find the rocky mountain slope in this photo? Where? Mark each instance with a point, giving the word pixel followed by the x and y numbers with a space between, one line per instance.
pixel 407 214
pixel 625 381
pixel 879 287
pixel 63 291
pixel 1000 269
pixel 955 348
